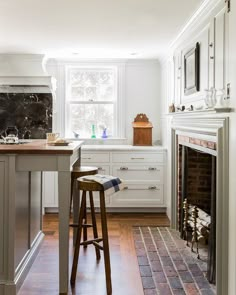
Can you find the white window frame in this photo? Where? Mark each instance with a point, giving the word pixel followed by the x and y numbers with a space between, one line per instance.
pixel 119 114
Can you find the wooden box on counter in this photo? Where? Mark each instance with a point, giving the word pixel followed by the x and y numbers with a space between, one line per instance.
pixel 142 130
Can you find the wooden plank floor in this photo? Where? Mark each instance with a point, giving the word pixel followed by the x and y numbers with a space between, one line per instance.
pixel 43 276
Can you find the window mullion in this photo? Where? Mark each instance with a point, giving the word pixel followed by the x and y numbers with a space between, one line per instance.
pixel 90 102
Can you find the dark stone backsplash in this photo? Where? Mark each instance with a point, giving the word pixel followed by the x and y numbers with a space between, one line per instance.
pixel 31 113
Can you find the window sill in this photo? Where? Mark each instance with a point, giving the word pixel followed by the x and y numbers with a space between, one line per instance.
pixel 101 141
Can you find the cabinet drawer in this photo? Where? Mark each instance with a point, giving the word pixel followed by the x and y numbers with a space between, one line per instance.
pixel 95 157
pixel 139 195
pixel 132 172
pixel 138 157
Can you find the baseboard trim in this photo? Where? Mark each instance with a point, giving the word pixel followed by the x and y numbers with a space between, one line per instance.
pixel 120 210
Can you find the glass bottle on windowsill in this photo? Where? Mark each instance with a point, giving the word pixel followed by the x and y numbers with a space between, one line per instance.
pixel 104 133
pixel 93 131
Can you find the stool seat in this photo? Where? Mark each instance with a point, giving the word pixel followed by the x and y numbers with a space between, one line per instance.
pixel 79 171
pixel 88 185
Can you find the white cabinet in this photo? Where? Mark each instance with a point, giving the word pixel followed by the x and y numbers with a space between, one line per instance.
pixel 141 168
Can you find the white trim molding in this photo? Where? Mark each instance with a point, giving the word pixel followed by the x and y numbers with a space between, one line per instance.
pixel 212 127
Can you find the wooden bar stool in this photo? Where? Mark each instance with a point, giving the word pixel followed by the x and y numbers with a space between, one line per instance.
pixel 79 171
pixel 90 186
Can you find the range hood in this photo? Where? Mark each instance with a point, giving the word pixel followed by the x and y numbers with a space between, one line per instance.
pixel 25 70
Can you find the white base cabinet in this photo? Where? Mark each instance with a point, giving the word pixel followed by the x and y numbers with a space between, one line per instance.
pixel 142 169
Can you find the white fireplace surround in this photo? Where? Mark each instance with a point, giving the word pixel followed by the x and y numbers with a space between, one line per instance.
pixel 213 127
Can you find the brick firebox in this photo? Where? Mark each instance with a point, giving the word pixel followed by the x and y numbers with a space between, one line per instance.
pixel 196 182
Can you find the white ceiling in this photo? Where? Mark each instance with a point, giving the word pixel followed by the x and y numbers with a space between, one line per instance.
pixel 92 28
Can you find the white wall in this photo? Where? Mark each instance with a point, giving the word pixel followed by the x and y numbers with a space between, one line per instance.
pixel 140 92
pixel 143 95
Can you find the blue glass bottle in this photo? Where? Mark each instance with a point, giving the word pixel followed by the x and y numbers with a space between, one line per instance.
pixel 104 133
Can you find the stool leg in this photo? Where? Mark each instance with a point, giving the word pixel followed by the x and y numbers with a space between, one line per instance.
pixel 85 232
pixel 78 238
pixel 94 223
pixel 105 243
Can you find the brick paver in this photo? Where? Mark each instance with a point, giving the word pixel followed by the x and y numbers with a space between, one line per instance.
pixel 167 266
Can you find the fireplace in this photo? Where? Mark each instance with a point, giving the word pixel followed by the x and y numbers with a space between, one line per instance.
pixel 197 189
pixel 200 175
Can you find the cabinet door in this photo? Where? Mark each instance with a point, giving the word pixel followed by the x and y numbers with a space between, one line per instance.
pixel 139 195
pixel 220 48
pixel 50 189
pixel 139 172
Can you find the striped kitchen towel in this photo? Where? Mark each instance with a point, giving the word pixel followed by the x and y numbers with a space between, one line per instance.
pixel 110 183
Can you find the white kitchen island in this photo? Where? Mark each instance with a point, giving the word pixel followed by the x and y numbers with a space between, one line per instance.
pixel 21 203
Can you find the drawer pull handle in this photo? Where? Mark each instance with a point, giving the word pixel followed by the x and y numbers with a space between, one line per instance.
pixel 124 168
pixel 152 187
pixel 86 158
pixel 137 158
pixel 100 168
pixel 152 168
pixel 126 187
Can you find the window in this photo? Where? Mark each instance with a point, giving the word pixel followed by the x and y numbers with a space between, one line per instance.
pixel 91 101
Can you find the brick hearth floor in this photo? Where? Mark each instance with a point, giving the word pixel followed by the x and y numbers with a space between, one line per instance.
pixel 167 266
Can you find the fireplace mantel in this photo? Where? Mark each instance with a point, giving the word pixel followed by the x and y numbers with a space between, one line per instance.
pixel 213 127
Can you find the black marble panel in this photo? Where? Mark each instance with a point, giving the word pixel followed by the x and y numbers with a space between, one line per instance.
pixel 31 113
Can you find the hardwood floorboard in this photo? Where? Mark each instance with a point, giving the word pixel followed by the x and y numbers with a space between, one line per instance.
pixel 90 280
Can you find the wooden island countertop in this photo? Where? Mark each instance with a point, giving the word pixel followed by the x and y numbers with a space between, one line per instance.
pixel 38 147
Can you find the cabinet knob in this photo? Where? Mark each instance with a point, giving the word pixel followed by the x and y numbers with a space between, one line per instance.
pixel 126 187
pixel 211 44
pixel 124 168
pixel 137 158
pixel 211 57
pixel 152 187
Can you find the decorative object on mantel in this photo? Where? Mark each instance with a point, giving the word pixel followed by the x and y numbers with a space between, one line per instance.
pixel 142 130
pixel 198 107
pixel 210 97
pixel 190 108
pixel 180 108
pixel 172 108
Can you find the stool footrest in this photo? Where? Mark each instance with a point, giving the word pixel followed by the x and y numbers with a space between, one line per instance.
pixel 83 225
pixel 98 246
pixel 89 242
